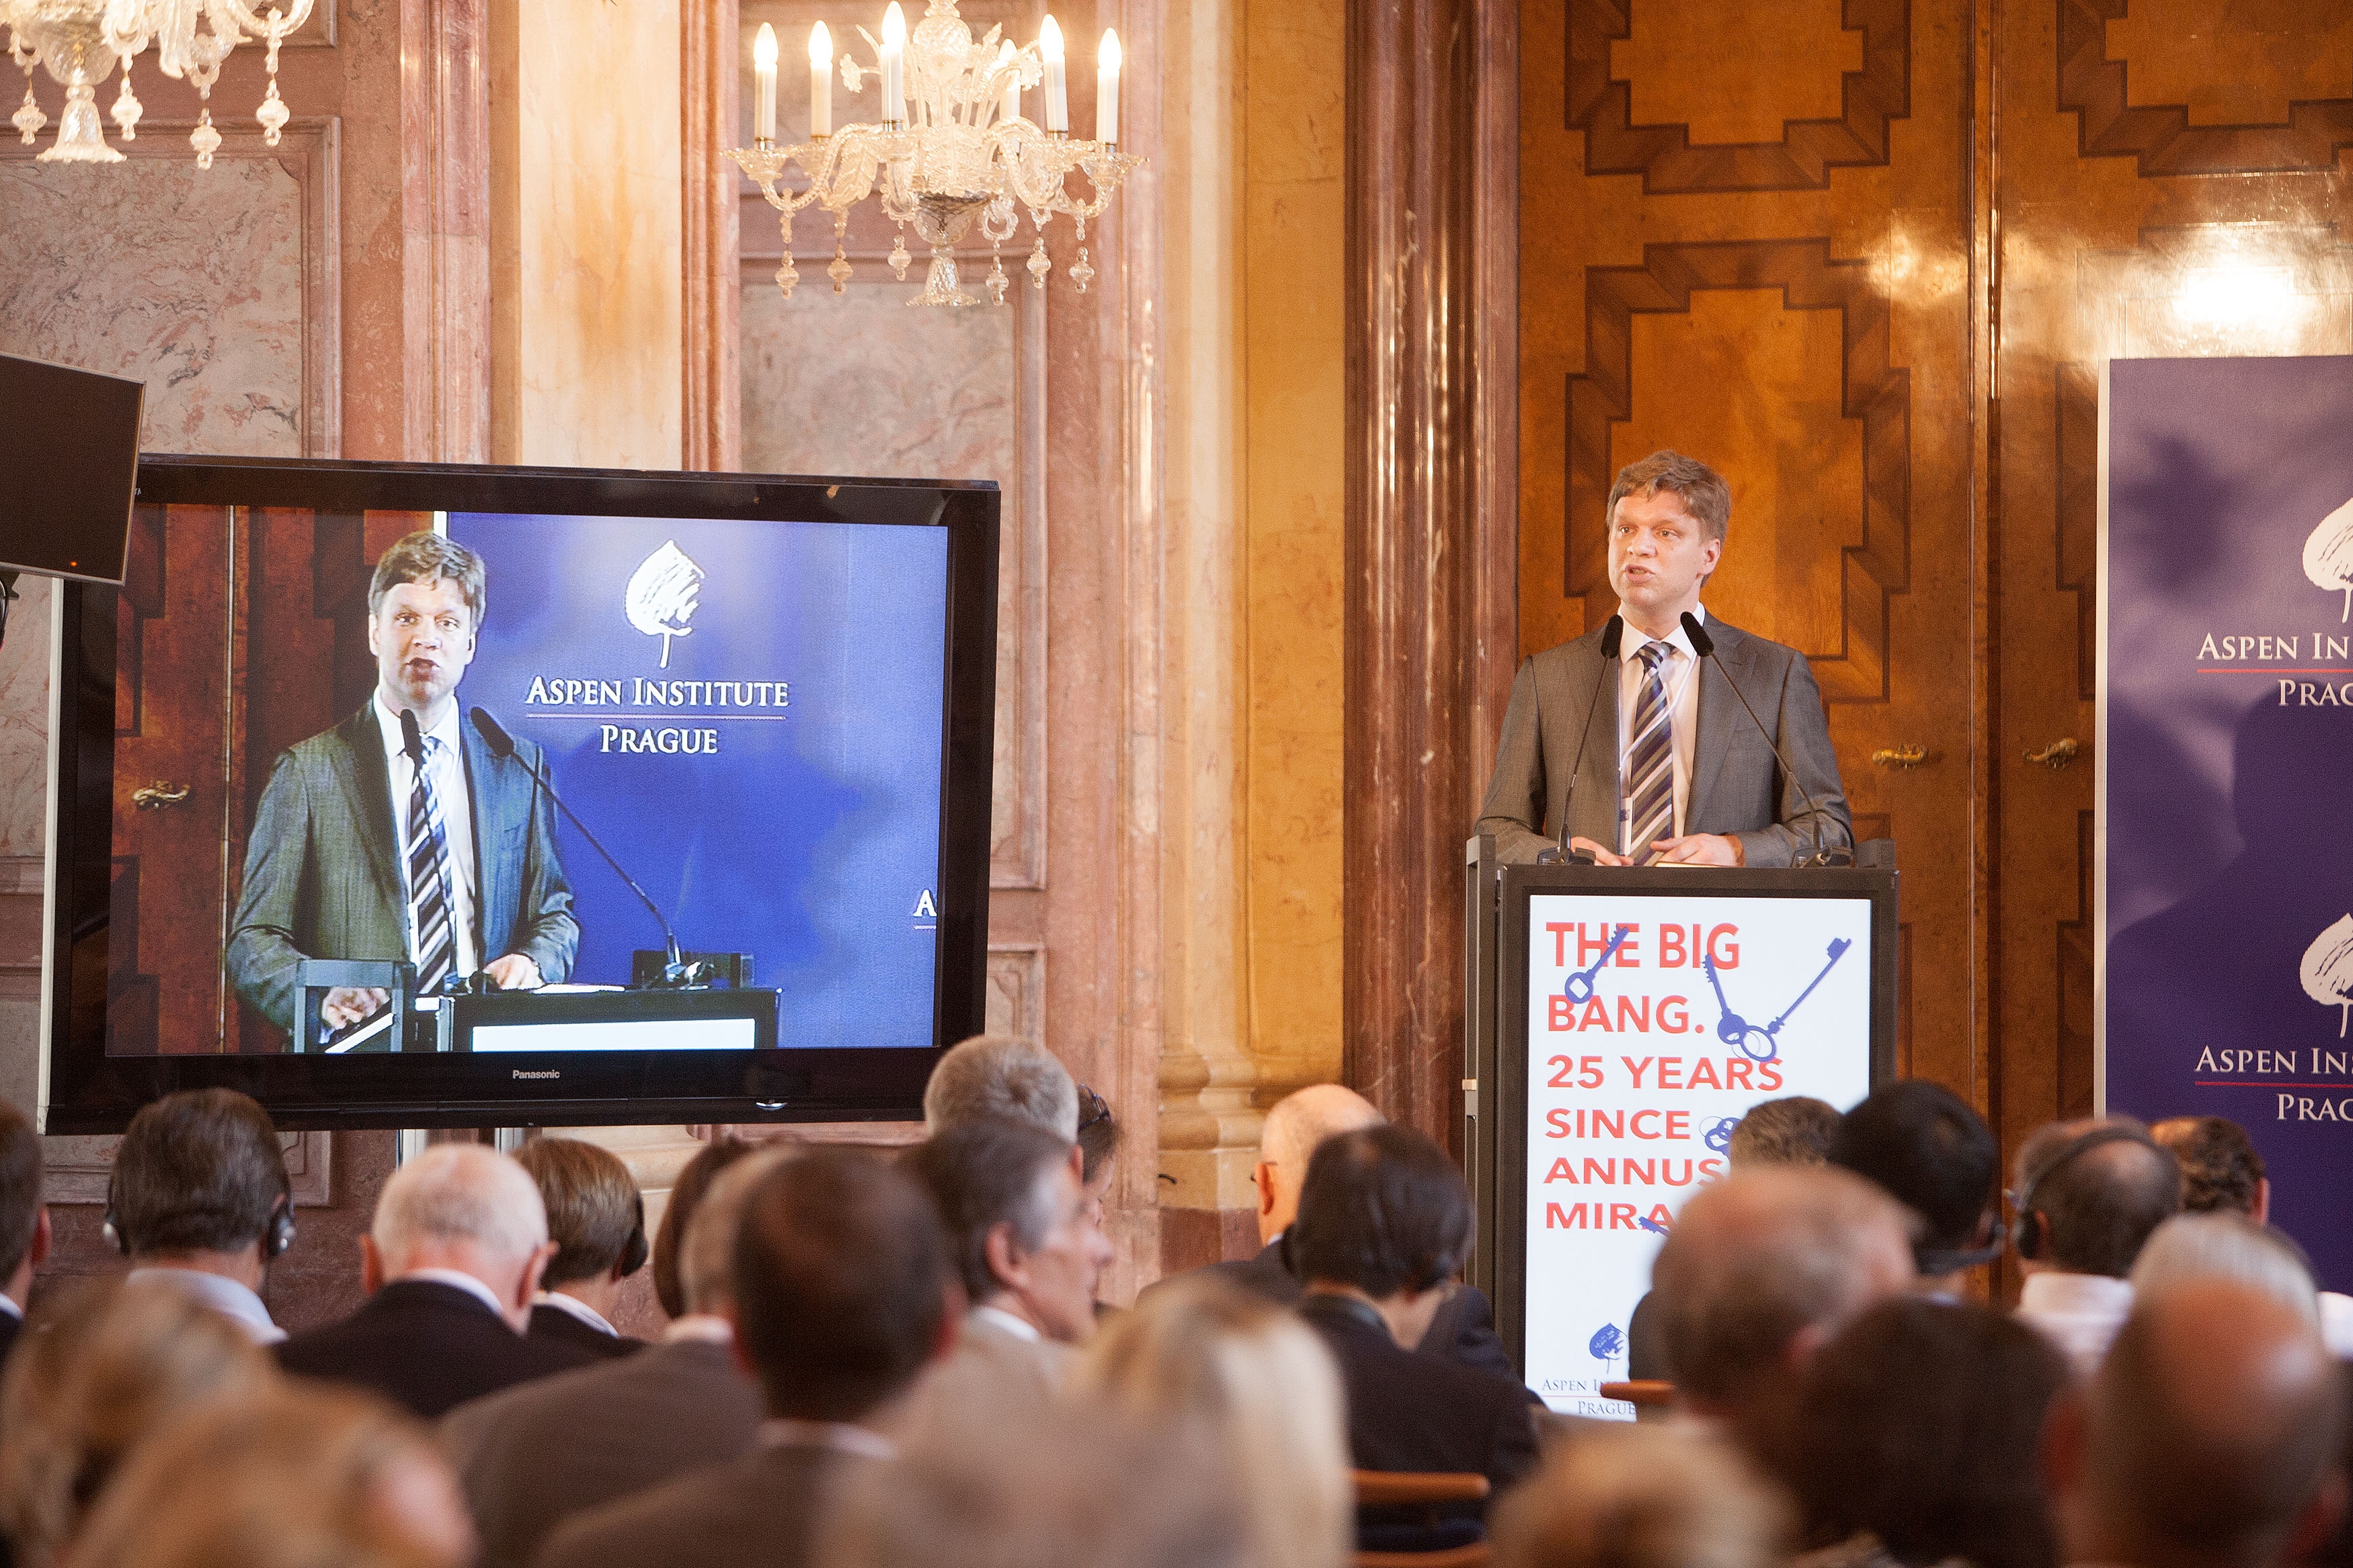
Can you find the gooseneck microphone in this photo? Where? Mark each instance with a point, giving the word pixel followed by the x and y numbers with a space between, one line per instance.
pixel 1613 632
pixel 677 973
pixel 1704 645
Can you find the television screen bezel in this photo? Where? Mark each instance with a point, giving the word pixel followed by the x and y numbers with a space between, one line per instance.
pixel 85 1090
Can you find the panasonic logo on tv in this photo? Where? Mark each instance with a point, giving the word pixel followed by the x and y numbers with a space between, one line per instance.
pixel 551 1072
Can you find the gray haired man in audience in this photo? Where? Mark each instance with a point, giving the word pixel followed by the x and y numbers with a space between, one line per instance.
pixel 532 1456
pixel 199 1200
pixel 450 1265
pixel 2089 1195
pixel 1006 1078
pixel 2209 1438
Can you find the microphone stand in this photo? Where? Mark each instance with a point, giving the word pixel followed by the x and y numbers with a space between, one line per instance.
pixel 1704 645
pixel 1613 632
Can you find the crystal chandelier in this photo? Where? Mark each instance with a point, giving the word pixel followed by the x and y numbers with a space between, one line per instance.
pixel 80 41
pixel 950 146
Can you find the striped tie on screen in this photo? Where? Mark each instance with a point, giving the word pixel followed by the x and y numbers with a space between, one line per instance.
pixel 428 880
pixel 1651 760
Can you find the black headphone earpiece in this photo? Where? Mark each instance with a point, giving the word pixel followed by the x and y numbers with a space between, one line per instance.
pixel 635 1250
pixel 280 1233
pixel 108 1229
pixel 2033 1238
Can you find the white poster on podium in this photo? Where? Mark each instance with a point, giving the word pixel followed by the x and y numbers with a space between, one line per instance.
pixel 1654 1023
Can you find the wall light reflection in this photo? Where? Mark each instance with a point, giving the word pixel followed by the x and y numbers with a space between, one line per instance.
pixel 2238 295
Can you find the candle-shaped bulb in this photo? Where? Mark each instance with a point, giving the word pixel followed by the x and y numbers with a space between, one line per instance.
pixel 763 84
pixel 1008 82
pixel 1107 56
pixel 894 25
pixel 1049 41
pixel 763 48
pixel 894 63
pixel 820 46
pixel 1058 103
pixel 1107 87
pixel 820 81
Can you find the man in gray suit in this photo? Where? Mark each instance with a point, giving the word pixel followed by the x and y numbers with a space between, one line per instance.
pixel 368 845
pixel 1671 771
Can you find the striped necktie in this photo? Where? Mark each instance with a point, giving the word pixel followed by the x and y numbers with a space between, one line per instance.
pixel 1651 760
pixel 429 880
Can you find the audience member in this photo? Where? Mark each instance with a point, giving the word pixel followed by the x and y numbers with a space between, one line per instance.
pixel 596 1217
pixel 1928 1150
pixel 1025 1252
pixel 1002 1077
pixel 1794 1131
pixel 2221 1244
pixel 1760 1269
pixel 842 1293
pixel 2089 1193
pixel 1641 1498
pixel 1035 1487
pixel 532 1456
pixel 450 1264
pixel 199 1200
pixel 686 1193
pixel 2207 1438
pixel 1916 1440
pixel 2222 1172
pixel 293 1477
pixel 24 1220
pixel 1244 1379
pixel 1098 1140
pixel 102 1369
pixel 1383 1224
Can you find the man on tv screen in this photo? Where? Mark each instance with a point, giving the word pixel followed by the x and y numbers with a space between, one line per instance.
pixel 397 834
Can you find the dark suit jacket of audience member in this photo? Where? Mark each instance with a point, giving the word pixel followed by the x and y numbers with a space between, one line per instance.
pixel 555 1324
pixel 11 1325
pixel 530 1458
pixel 761 1512
pixel 1463 1330
pixel 1646 1343
pixel 424 1345
pixel 1409 1412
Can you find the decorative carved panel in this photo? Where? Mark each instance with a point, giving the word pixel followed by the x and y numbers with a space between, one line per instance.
pixel 77 1170
pixel 1017 992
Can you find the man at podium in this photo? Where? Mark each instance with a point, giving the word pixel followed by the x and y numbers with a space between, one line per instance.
pixel 1649 757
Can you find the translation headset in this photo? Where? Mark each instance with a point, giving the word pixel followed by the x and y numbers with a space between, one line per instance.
pixel 275 1239
pixel 2033 1237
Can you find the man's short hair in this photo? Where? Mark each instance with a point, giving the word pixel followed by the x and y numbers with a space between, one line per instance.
pixel 706 1264
pixel 1643 1496
pixel 981 1175
pixel 841 1274
pixel 1762 1254
pixel 1795 1130
pixel 1003 1077
pixel 686 1194
pixel 1701 488
pixel 1932 1153
pixel 2220 1167
pixel 1383 1209
pixel 427 557
pixel 199 1170
pixel 459 1192
pixel 2101 1202
pixel 20 1187
pixel 592 1202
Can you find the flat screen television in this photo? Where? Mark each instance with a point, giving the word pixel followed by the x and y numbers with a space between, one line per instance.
pixel 491 735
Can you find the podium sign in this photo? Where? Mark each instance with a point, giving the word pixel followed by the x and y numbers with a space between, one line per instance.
pixel 1641 1014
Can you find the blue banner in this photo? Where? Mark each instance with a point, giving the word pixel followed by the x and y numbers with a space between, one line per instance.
pixel 749 716
pixel 2226 754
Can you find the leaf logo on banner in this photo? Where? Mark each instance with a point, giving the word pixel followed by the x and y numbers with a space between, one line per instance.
pixel 2328 555
pixel 661 594
pixel 1607 1344
pixel 2327 971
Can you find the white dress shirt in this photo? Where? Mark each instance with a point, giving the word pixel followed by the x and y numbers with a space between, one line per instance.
pixel 2080 1313
pixel 576 1308
pixel 1679 672
pixel 1020 1328
pixel 217 1292
pixel 446 766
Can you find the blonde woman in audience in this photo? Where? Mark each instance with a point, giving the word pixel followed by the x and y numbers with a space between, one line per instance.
pixel 1641 1497
pixel 2224 1246
pixel 299 1476
pixel 1256 1386
pixel 88 1380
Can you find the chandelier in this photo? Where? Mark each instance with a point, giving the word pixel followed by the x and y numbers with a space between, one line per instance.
pixel 950 146
pixel 80 41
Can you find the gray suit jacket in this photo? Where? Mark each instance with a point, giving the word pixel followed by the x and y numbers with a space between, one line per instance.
pixel 1736 786
pixel 533 1456
pixel 759 1512
pixel 323 871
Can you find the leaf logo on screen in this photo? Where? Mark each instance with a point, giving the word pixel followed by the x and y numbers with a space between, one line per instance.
pixel 661 594
pixel 2327 971
pixel 2328 555
pixel 1607 1344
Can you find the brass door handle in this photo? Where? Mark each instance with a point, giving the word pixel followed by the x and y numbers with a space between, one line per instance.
pixel 2057 754
pixel 159 795
pixel 1906 757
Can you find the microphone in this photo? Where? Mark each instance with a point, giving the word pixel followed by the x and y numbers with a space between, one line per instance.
pixel 412 739
pixel 677 973
pixel 1613 632
pixel 1704 645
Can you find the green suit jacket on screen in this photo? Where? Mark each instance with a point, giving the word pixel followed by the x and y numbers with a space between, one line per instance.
pixel 322 873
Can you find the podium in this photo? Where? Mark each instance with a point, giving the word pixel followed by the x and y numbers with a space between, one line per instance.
pixel 1618 1022
pixel 557 1019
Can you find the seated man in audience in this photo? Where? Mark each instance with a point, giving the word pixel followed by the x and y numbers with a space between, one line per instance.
pixel 450 1264
pixel 2207 1439
pixel 2222 1172
pixel 532 1456
pixel 24 1220
pixel 1643 1498
pixel 200 1201
pixel 1383 1224
pixel 842 1293
pixel 2088 1194
pixel 1927 1150
pixel 597 1220
pixel 1028 1255
pixel 1006 1079
pixel 1760 1269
